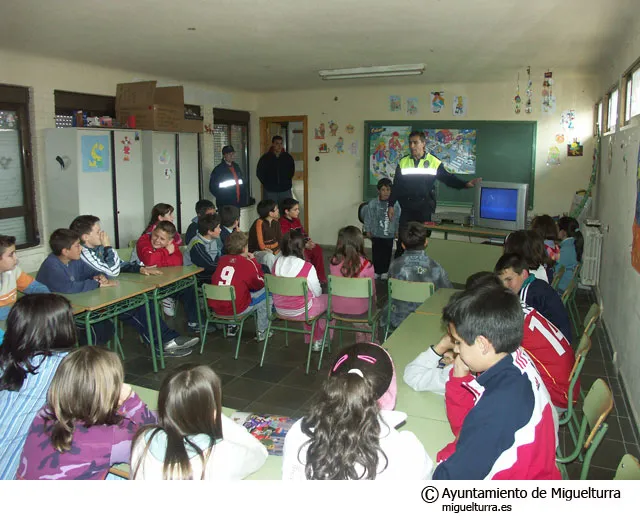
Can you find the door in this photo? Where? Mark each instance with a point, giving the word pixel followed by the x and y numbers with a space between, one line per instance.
pixel 128 184
pixel 189 179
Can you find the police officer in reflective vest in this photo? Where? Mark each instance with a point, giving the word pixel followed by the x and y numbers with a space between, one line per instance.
pixel 414 183
pixel 226 183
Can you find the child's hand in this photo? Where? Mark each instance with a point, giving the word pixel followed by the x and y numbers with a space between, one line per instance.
pixel 444 345
pixel 125 393
pixel 100 278
pixel 309 244
pixel 448 357
pixel 171 248
pixel 459 367
pixel 248 255
pixel 104 239
pixel 150 270
pixel 108 283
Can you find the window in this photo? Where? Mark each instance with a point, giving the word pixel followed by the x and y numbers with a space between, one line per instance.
pixel 232 127
pixel 17 200
pixel 632 92
pixel 598 118
pixel 612 110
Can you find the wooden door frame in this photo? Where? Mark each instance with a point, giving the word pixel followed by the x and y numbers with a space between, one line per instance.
pixel 265 144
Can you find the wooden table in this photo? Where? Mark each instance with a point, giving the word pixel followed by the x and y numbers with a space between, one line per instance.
pixel 469 231
pixel 462 259
pixel 437 302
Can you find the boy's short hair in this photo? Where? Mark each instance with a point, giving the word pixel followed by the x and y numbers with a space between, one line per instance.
pixel 287 204
pixel 6 241
pixel 62 239
pixel 490 311
pixel 265 207
pixel 276 138
pixel 83 224
pixel 482 278
pixel 236 242
pixel 511 261
pixel 385 181
pixel 413 235
pixel 202 206
pixel 208 223
pixel 228 215
pixel 168 227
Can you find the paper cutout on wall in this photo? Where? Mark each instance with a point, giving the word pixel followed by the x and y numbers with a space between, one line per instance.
pixel 349 128
pixel 567 119
pixel 333 128
pixel 319 131
pixel 386 146
pixel 95 153
pixel 164 157
pixel 635 248
pixel 553 156
pixel 323 148
pixel 575 149
pixel 459 106
pixel 395 103
pixel 339 145
pixel 559 138
pixel 412 106
pixel 137 138
pixel 126 148
pixel 167 173
pixel 353 148
pixel 437 101
pixel 548 99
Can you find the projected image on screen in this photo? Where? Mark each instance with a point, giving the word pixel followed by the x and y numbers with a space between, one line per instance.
pixel 499 204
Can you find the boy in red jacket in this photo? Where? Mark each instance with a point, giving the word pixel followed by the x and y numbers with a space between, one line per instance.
pixel 240 269
pixel 312 251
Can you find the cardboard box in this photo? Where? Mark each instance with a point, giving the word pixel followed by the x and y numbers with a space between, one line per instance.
pixel 155 108
pixel 193 125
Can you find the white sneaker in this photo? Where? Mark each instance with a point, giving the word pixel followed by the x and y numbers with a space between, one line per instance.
pixel 262 334
pixel 377 276
pixel 316 346
pixel 384 276
pixel 169 306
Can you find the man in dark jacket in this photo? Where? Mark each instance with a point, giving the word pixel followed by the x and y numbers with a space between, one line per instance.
pixel 276 169
pixel 226 183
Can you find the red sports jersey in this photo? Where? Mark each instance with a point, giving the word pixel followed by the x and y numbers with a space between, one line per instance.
pixel 552 355
pixel 245 275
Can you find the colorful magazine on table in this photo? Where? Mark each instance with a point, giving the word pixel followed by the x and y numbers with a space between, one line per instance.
pixel 270 430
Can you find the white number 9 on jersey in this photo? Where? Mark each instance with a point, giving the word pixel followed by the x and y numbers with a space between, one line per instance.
pixel 226 275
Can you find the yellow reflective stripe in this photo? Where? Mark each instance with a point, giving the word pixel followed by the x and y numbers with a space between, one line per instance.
pixel 419 171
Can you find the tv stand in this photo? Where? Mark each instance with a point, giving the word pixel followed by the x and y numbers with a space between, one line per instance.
pixel 495 235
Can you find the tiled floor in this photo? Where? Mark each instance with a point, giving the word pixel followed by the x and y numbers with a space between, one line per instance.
pixel 282 387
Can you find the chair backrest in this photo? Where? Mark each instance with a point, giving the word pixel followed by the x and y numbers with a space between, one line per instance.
pixel 628 469
pixel 591 319
pixel 125 253
pixel 568 292
pixel 132 243
pixel 284 286
pixel 584 347
pixel 414 292
pixel 225 293
pixel 556 277
pixel 350 287
pixel 597 406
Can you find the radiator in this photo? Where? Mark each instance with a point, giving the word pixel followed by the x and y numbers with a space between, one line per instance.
pixel 590 272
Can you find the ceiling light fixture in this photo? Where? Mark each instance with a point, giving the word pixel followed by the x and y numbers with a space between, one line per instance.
pixel 374 72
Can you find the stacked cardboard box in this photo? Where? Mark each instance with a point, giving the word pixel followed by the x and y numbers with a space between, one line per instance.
pixel 154 108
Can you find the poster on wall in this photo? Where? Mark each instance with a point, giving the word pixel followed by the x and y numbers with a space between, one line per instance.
pixel 437 101
pixel 635 248
pixel 459 106
pixel 387 145
pixel 412 106
pixel 95 153
pixel 455 147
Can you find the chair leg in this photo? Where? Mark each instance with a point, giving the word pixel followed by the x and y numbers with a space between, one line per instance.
pixel 266 340
pixel 204 334
pixel 313 328
pixel 324 341
pixel 286 336
pixel 340 332
pixel 239 339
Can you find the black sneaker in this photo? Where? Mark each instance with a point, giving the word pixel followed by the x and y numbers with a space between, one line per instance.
pixel 195 329
pixel 232 330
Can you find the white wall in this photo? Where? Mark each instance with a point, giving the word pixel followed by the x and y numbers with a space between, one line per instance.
pixel 615 206
pixel 44 75
pixel 335 182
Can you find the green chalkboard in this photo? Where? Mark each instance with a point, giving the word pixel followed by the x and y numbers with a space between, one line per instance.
pixel 504 151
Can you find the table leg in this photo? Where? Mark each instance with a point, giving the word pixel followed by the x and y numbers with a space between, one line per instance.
pixel 156 306
pixel 87 326
pixel 150 328
pixel 195 290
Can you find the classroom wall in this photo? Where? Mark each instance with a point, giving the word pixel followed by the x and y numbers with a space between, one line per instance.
pixel 615 206
pixel 44 75
pixel 335 182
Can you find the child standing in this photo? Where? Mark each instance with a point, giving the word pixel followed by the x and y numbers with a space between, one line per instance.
pixel 345 435
pixel 88 422
pixel 380 229
pixel 290 219
pixel 241 270
pixel 40 332
pixel 205 248
pixel 571 249
pixel 548 230
pixel 193 439
pixel 293 265
pixel 265 234
pixel 229 223
pixel 349 261
pixel 203 207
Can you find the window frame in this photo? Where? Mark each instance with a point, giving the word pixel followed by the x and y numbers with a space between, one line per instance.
pixel 627 84
pixel 605 115
pixel 17 99
pixel 598 117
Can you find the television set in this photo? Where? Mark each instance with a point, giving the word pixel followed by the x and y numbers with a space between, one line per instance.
pixel 501 205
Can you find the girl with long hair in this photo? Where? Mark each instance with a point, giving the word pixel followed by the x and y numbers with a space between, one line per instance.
pixel 194 440
pixel 571 249
pixel 530 246
pixel 548 230
pixel 346 436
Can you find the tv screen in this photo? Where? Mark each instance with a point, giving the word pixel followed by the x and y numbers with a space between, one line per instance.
pixel 499 204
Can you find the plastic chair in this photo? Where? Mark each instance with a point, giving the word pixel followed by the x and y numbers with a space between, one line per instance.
pixel 628 469
pixel 591 319
pixel 414 292
pixel 125 253
pixel 569 301
pixel 282 286
pixel 132 244
pixel 597 406
pixel 225 293
pixel 350 288
pixel 556 277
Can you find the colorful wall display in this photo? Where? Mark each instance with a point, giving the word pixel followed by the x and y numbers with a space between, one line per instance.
pixel 387 145
pixel 455 147
pixel 96 153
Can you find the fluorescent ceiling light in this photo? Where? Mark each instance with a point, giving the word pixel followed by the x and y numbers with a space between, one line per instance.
pixel 373 72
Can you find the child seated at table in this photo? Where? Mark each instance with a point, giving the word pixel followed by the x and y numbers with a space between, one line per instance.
pixel 503 420
pixel 89 420
pixel 265 234
pixel 349 261
pixel 240 269
pixel 12 278
pixel 203 207
pixel 205 248
pixel 529 245
pixel 346 436
pixel 194 439
pixel 40 332
pixel 290 219
pixel 229 223
pixel 414 266
pixel 100 256
pixel 571 248
pixel 514 273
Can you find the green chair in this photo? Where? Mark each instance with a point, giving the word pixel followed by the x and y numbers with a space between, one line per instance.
pixel 591 319
pixel 556 277
pixel 597 406
pixel 282 286
pixel 414 292
pixel 350 288
pixel 226 293
pixel 132 244
pixel 569 301
pixel 125 253
pixel 628 469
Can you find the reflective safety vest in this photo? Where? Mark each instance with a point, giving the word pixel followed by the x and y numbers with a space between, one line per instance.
pixel 428 165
